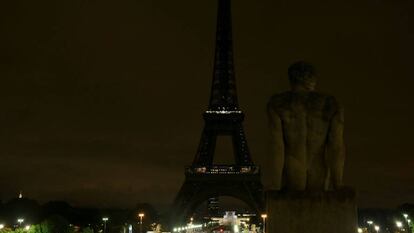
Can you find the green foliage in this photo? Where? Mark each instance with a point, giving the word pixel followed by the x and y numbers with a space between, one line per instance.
pixel 6 231
pixel 54 224
pixel 41 228
pixel 87 230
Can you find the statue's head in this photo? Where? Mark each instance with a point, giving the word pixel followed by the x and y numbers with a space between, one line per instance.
pixel 302 76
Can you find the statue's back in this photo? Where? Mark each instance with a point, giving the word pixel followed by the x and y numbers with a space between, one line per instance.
pixel 305 121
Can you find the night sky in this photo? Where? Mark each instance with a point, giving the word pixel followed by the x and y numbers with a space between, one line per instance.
pixel 101 100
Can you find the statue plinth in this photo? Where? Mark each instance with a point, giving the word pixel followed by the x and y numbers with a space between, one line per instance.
pixel 311 212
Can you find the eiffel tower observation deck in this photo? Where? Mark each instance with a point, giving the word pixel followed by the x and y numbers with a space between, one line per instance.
pixel 204 179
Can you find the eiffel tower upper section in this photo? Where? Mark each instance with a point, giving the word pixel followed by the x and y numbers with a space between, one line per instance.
pixel 223 92
pixel 223 116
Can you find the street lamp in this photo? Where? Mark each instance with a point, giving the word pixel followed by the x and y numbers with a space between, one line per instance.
pixel 20 221
pixel 407 220
pixel 140 215
pixel 399 224
pixel 105 219
pixel 264 216
pixel 370 223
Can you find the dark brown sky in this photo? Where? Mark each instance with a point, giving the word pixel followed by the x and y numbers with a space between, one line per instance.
pixel 101 100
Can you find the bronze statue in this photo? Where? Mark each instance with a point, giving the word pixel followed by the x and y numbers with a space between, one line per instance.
pixel 308 150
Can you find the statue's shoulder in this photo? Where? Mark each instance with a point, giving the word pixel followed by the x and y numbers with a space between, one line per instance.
pixel 331 102
pixel 278 100
pixel 325 102
pixel 323 98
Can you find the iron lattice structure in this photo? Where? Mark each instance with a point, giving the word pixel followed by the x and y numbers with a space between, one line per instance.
pixel 204 179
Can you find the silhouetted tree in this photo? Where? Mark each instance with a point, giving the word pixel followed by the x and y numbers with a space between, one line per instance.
pixel 54 224
pixel 22 208
pixel 60 208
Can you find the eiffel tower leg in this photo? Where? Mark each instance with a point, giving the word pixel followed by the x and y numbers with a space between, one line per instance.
pixel 206 147
pixel 242 155
pixel 183 200
pixel 254 192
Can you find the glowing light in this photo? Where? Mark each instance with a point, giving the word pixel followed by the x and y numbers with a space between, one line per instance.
pixel 399 224
pixel 264 216
pixel 370 222
pixel 409 220
pixel 189 226
pixel 405 216
pixel 141 215
pixel 360 230
pixel 236 228
pixel 377 228
pixel 27 227
pixel 105 219
pixel 224 112
pixel 1 226
pixel 20 220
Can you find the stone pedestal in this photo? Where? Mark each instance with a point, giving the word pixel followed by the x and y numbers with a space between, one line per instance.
pixel 311 212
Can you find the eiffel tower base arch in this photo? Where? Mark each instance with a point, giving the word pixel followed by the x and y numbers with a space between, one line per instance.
pixel 197 190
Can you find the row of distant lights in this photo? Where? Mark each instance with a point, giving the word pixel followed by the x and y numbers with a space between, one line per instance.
pixel 376 227
pixel 188 227
pixel 192 226
pixel 20 221
pixel 27 227
pixel 399 224
pixel 223 112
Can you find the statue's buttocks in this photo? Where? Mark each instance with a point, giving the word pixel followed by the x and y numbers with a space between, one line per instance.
pixel 307 129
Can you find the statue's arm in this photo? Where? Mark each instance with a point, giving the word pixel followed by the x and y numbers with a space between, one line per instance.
pixel 276 159
pixel 336 148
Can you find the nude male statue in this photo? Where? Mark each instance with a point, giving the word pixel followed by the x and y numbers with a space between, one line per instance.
pixel 308 150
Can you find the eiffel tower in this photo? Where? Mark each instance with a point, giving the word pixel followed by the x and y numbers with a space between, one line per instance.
pixel 204 179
